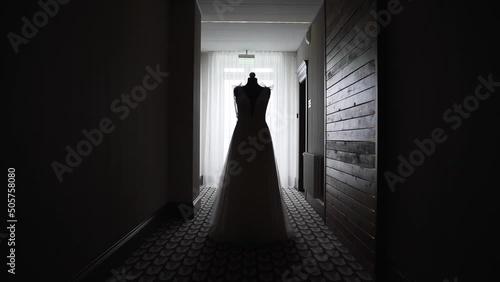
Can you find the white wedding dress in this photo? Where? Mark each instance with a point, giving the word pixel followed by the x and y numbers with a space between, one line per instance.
pixel 249 205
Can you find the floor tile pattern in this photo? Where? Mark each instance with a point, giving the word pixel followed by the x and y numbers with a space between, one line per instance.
pixel 180 251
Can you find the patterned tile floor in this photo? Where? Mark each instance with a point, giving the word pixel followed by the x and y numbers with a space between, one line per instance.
pixel 179 251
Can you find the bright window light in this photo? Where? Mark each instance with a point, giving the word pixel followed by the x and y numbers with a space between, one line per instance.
pixel 234 69
pixel 261 70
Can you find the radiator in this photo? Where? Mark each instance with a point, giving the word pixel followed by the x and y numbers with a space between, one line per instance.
pixel 312 174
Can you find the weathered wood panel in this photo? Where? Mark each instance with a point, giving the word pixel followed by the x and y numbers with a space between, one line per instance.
pixel 359 86
pixel 351 126
pixel 364 198
pixel 352 147
pixel 350 34
pixel 368 174
pixel 362 227
pixel 352 158
pixel 358 111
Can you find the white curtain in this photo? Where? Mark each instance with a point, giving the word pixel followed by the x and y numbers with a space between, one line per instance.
pixel 220 73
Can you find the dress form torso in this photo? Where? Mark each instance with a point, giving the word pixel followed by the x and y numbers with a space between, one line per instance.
pixel 253 91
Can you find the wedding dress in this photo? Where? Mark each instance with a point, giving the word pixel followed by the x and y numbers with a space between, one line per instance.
pixel 249 205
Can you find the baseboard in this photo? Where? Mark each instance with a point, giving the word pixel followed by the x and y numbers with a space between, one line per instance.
pixel 100 268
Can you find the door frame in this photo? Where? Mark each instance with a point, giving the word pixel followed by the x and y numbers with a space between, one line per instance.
pixel 302 116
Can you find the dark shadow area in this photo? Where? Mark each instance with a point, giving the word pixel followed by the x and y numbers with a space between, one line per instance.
pixel 439 222
pixel 88 124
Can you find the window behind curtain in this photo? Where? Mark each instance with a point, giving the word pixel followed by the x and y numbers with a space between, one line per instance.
pixel 220 73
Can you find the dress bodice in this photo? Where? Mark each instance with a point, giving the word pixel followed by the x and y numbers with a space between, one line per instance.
pixel 244 104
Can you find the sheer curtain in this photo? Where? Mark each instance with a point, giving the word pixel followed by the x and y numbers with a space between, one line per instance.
pixel 220 73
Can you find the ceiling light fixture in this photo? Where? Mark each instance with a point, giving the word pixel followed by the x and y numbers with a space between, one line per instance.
pixel 246 56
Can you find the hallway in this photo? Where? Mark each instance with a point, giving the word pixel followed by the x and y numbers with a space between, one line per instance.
pixel 180 251
pixel 385 121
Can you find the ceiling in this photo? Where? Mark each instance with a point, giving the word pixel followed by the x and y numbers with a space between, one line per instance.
pixel 255 25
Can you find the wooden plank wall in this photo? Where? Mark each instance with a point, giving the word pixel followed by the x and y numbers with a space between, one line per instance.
pixel 351 125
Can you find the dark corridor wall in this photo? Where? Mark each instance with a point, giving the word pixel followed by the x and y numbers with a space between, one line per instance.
pixel 441 222
pixel 314 52
pixel 64 80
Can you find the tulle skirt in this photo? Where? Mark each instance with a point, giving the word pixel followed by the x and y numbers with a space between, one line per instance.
pixel 249 205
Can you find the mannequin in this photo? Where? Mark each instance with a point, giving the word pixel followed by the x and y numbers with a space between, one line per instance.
pixel 252 89
pixel 249 206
